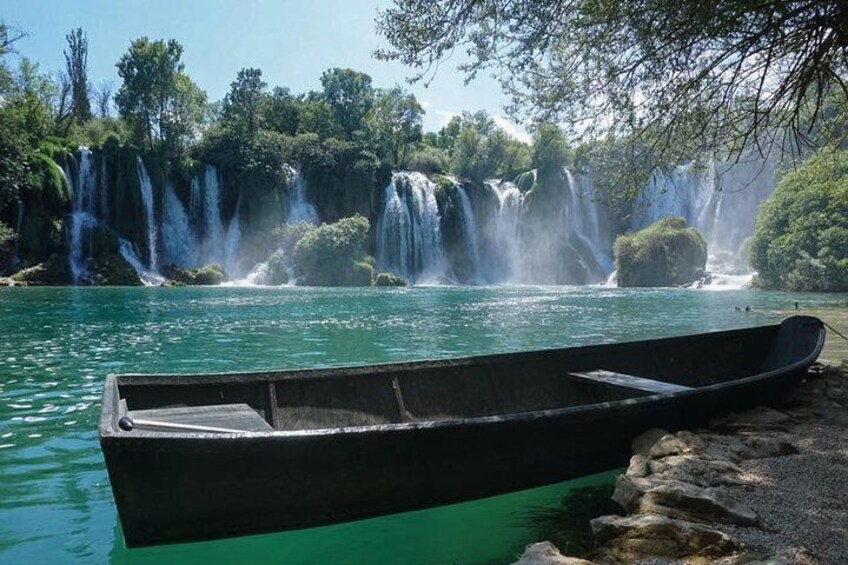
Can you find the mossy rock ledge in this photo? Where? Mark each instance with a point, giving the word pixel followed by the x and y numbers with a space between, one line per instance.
pixel 666 253
pixel 209 275
pixel 389 279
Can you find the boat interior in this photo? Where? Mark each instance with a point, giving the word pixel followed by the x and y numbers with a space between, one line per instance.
pixel 445 390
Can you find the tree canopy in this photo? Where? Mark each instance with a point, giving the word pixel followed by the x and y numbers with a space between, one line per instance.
pixel 678 76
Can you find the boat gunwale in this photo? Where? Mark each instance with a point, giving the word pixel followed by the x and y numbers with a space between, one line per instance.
pixel 109 429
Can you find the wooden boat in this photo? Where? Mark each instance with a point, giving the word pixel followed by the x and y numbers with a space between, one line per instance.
pixel 209 456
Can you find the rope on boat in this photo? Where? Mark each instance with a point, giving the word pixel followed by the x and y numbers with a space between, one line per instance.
pixel 834 330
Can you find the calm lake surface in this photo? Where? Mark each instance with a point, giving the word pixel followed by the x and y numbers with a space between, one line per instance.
pixel 57 345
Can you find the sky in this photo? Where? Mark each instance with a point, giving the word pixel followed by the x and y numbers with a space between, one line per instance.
pixel 292 41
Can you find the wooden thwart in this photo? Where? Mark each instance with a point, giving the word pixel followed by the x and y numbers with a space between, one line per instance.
pixel 222 417
pixel 631 381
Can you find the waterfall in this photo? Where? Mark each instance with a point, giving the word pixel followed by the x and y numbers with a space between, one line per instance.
pixel 149 214
pixel 194 203
pixel 507 242
pixel 469 228
pixel 179 243
pixel 581 216
pixel 299 210
pixel 214 243
pixel 721 199
pixel 82 215
pixel 148 277
pixel 409 238
pixel 232 243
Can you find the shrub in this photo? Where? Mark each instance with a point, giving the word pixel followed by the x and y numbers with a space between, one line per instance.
pixel 666 253
pixel 801 238
pixel 428 160
pixel 333 254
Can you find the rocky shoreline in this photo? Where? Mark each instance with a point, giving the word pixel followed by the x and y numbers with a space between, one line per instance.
pixel 762 486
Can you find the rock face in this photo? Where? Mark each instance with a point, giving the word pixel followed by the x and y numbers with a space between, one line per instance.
pixel 667 253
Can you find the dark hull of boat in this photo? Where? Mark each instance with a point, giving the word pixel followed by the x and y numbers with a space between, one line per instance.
pixel 183 487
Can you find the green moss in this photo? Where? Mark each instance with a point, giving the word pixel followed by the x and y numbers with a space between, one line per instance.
pixel 801 239
pixel 110 268
pixel 204 276
pixel 332 254
pixel 389 279
pixel 666 253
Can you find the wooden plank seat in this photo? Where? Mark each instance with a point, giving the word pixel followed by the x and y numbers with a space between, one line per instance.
pixel 218 418
pixel 630 381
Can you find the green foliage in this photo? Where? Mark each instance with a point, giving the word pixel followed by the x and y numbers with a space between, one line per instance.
pixel 76 67
pixel 332 254
pixel 549 150
pixel 801 238
pixel 666 253
pixel 241 109
pixel 479 149
pixel 350 95
pixel 708 75
pixel 209 275
pixel 428 160
pixel 394 125
pixel 156 97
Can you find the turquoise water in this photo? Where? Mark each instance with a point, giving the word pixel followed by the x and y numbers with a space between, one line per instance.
pixel 57 344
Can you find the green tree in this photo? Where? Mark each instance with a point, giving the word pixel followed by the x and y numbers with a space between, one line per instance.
pixel 156 97
pixel 242 104
pixel 281 111
pixel 350 95
pixel 801 238
pixel 394 125
pixel 549 149
pixel 693 75
pixel 76 65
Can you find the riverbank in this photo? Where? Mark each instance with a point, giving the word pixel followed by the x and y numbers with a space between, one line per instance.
pixel 763 486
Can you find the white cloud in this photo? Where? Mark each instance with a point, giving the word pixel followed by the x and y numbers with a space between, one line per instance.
pixel 515 130
pixel 445 116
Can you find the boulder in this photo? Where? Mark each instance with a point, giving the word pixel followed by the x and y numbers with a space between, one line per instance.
pixel 630 538
pixel 545 553
pixel 666 253
pixel 389 279
pixel 203 276
pixel 692 503
pixel 55 271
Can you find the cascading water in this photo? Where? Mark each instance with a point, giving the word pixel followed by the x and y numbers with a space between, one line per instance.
pixel 506 266
pixel 581 215
pixel 148 277
pixel 214 241
pixel 179 243
pixel 299 210
pixel 721 200
pixel 82 216
pixel 232 243
pixel 409 238
pixel 149 215
pixel 469 228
